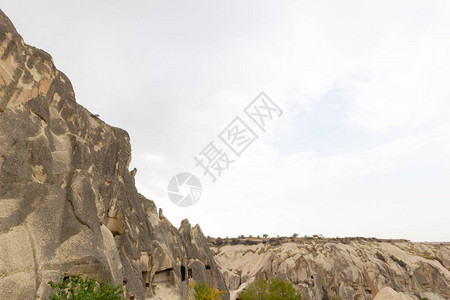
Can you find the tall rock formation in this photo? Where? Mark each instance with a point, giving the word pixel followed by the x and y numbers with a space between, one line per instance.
pixel 351 269
pixel 68 202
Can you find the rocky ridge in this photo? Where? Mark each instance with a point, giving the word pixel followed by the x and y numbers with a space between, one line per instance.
pixel 353 268
pixel 68 202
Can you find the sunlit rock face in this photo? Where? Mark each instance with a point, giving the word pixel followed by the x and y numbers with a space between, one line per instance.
pixel 353 269
pixel 68 202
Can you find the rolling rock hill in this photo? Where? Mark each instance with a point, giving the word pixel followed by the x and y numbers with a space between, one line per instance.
pixel 68 202
pixel 351 268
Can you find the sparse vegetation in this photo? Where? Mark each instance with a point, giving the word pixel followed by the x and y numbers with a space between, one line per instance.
pixel 276 289
pixel 265 235
pixel 295 235
pixel 219 241
pixel 77 288
pixel 428 256
pixel 380 256
pixel 431 257
pixel 250 242
pixel 204 291
pixel 399 261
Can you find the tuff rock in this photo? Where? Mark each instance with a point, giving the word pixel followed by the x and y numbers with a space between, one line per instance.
pixel 68 202
pixel 351 269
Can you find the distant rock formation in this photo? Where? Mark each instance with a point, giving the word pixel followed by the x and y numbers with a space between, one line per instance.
pixel 389 294
pixel 68 202
pixel 355 268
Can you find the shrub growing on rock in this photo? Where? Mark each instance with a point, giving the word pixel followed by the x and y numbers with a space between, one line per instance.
pixel 380 256
pixel 399 261
pixel 77 288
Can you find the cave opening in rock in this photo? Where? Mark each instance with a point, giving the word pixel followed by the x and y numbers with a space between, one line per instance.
pixel 146 279
pixel 183 273
pixel 115 222
pixel 163 271
pixel 165 276
pixel 209 271
pixel 190 273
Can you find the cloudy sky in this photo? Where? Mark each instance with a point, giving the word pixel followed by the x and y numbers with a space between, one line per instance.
pixel 363 145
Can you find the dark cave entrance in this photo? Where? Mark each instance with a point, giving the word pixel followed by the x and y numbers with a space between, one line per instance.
pixel 183 273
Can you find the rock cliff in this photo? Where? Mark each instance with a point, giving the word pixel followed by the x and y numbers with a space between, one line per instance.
pixel 352 269
pixel 68 202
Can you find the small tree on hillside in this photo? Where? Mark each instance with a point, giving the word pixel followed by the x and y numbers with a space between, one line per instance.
pixel 204 291
pixel 277 289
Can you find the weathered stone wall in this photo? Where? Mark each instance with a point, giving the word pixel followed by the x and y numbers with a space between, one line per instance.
pixel 68 203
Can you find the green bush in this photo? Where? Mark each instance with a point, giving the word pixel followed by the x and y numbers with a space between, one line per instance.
pixel 77 288
pixel 277 289
pixel 219 241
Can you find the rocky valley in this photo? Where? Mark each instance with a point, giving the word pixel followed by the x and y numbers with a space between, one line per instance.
pixel 69 206
pixel 352 268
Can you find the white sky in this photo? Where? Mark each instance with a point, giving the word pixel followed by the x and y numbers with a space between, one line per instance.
pixel 363 146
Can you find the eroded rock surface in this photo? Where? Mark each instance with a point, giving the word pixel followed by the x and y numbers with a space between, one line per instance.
pixel 348 268
pixel 68 202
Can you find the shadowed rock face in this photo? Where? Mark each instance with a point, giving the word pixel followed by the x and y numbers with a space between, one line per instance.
pixel 68 203
pixel 349 268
